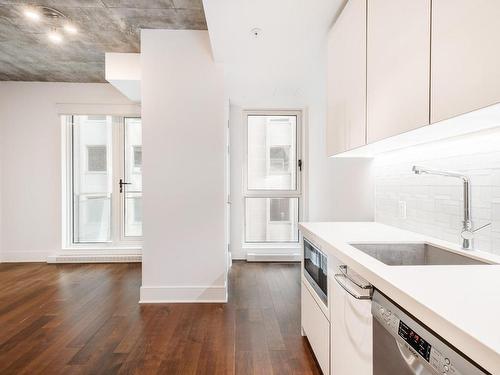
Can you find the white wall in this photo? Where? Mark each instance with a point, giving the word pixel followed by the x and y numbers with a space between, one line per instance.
pixel 1 207
pixel 339 189
pixel 184 255
pixel 435 203
pixel 30 160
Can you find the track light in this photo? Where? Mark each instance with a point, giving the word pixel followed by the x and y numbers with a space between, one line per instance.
pixel 57 23
pixel 32 14
pixel 70 28
pixel 55 37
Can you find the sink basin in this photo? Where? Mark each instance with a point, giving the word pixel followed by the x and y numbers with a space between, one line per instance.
pixel 417 254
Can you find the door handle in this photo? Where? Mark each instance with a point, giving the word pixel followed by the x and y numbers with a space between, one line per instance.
pixel 123 183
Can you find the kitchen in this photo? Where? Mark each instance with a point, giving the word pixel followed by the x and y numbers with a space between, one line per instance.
pixel 416 291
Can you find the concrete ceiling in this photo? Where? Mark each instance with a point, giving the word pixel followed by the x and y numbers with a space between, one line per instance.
pixel 104 26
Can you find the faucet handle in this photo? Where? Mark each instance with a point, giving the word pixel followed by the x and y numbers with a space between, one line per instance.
pixel 468 234
pixel 481 227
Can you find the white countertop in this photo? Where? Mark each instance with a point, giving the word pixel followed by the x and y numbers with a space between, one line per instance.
pixel 460 303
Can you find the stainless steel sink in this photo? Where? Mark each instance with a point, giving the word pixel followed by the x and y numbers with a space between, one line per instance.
pixel 418 254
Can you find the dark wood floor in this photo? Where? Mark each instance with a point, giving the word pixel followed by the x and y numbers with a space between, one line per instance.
pixel 85 319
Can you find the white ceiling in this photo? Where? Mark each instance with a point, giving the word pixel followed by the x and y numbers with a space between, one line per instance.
pixel 273 69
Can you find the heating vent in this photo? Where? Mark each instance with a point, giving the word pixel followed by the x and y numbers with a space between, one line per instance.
pixel 95 259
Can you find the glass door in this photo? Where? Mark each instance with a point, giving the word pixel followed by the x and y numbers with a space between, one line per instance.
pixel 92 178
pixel 103 181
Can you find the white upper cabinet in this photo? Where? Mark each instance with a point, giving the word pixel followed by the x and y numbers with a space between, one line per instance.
pixel 398 66
pixel 465 56
pixel 346 116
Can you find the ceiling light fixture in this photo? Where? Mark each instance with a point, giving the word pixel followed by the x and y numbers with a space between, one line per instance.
pixel 56 21
pixel 70 28
pixel 55 37
pixel 32 14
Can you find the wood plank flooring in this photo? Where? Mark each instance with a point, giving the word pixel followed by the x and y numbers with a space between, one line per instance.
pixel 85 319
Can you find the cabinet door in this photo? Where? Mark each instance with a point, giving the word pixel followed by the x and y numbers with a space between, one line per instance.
pixel 351 338
pixel 398 66
pixel 317 329
pixel 346 95
pixel 465 56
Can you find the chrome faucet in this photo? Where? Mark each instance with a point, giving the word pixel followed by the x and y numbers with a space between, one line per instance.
pixel 467 233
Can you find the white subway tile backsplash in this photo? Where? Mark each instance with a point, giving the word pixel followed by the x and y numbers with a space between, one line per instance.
pixel 435 203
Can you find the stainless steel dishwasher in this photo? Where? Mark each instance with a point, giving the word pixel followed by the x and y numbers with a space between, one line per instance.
pixel 402 346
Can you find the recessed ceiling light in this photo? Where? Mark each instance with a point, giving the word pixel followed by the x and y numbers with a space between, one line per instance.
pixel 55 37
pixel 70 28
pixel 32 14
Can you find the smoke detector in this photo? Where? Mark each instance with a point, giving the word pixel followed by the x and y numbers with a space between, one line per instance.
pixel 256 32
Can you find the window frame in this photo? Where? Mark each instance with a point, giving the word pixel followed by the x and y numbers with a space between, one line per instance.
pixel 273 193
pixel 270 193
pixel 115 158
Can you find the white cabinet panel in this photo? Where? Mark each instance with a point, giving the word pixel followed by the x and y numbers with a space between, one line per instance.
pixel 317 329
pixel 346 116
pixel 351 334
pixel 465 56
pixel 398 66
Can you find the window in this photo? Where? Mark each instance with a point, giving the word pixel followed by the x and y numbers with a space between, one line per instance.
pixel 133 164
pixel 271 152
pixel 96 159
pixel 137 156
pixel 272 185
pixel 138 210
pixel 103 176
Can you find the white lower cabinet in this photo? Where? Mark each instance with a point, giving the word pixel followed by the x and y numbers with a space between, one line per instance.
pixel 340 335
pixel 351 334
pixel 317 329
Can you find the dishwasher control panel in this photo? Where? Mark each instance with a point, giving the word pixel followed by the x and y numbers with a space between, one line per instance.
pixel 436 355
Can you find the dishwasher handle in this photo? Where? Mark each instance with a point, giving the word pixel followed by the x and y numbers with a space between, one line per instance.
pixel 341 276
pixel 343 270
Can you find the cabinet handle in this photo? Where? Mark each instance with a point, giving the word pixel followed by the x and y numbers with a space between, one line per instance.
pixel 340 276
pixel 343 270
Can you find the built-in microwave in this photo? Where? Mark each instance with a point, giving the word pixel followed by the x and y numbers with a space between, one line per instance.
pixel 315 270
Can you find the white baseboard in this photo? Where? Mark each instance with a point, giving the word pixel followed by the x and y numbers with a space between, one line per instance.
pixel 94 258
pixel 272 257
pixel 183 294
pixel 23 256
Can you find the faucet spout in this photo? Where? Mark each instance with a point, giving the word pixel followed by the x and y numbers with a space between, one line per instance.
pixel 467 233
